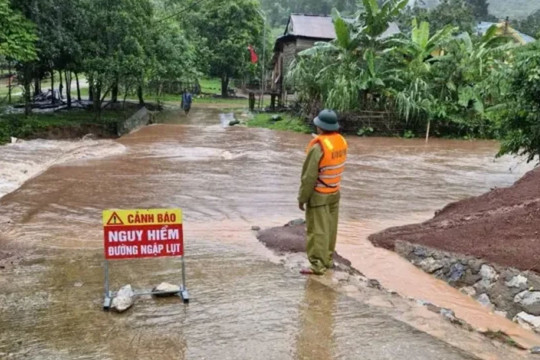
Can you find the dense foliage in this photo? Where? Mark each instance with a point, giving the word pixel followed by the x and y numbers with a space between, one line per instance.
pixel 448 80
pixel 437 75
pixel 126 46
pixel 519 113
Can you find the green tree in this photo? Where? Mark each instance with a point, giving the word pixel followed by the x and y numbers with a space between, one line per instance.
pixel 480 10
pixel 520 114
pixel 116 45
pixel 228 27
pixel 421 51
pixel 456 13
pixel 530 25
pixel 349 71
pixel 17 35
pixel 17 45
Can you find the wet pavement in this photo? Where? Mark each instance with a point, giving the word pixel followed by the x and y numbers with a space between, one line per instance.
pixel 245 303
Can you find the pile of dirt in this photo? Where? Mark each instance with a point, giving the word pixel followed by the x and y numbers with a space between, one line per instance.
pixel 290 239
pixel 501 226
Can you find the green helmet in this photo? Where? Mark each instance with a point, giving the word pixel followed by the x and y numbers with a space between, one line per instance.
pixel 327 120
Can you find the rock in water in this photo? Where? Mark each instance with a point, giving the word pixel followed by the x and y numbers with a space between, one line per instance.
pixel 296 222
pixel 484 300
pixel 528 321
pixel 468 290
pixel 167 289
pixel 124 299
pixel 529 301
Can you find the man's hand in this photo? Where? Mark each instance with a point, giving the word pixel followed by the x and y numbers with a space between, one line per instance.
pixel 301 206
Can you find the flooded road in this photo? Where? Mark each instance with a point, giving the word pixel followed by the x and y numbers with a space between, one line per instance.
pixel 245 303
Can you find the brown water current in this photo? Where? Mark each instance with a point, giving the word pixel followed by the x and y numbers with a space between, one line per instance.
pixel 245 303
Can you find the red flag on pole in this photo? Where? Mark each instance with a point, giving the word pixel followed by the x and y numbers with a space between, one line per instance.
pixel 254 57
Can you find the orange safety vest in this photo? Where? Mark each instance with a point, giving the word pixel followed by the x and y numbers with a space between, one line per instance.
pixel 332 163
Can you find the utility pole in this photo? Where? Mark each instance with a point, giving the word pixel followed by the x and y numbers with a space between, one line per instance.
pixel 263 68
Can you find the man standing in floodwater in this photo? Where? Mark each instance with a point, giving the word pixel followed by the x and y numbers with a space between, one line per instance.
pixel 319 191
pixel 186 101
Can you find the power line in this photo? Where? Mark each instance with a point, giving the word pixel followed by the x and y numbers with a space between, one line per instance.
pixel 185 8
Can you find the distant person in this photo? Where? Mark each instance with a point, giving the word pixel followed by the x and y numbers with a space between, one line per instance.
pixel 187 99
pixel 319 191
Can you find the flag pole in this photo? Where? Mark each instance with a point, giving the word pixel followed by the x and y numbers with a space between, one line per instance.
pixel 261 98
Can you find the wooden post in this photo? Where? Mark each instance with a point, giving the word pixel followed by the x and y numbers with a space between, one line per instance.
pixel 251 101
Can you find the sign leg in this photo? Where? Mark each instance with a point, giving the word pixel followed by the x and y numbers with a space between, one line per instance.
pixel 108 298
pixel 183 291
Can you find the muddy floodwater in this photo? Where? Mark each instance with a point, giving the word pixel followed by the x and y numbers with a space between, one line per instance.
pixel 246 302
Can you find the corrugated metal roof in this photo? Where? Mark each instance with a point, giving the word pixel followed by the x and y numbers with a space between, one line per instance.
pixel 322 27
pixel 313 26
pixel 483 26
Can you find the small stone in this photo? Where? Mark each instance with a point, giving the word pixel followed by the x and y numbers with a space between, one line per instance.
pixel 529 301
pixel 78 284
pixel 166 289
pixel 430 265
pixel 501 313
pixel 255 228
pixel 420 252
pixel 484 300
pixel 483 285
pixel 449 315
pixel 423 302
pixel 518 281
pixel 528 321
pixel 475 265
pixel 372 283
pixel 456 272
pixel 468 290
pixel 535 350
pixel 488 273
pixel 296 222
pixel 124 299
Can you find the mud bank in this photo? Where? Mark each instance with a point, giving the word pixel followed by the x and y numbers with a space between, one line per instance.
pixel 290 239
pixel 487 246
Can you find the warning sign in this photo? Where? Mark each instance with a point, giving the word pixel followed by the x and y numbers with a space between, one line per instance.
pixel 142 233
pixel 115 219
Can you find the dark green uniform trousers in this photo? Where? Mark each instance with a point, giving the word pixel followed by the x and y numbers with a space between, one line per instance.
pixel 322 223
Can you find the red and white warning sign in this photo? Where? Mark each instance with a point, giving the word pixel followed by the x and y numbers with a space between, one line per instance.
pixel 142 233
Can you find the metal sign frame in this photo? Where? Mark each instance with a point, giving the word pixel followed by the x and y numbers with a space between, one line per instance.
pixel 110 295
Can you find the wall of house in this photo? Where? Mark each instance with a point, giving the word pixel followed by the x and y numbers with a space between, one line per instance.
pixel 289 53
